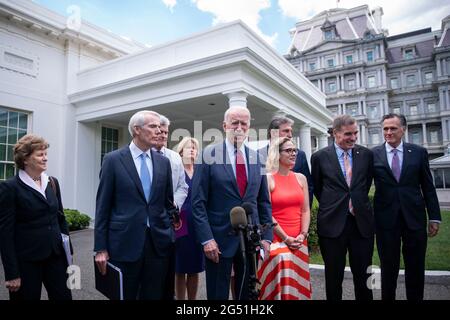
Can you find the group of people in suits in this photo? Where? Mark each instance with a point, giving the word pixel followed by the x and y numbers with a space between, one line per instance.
pixel 404 195
pixel 143 183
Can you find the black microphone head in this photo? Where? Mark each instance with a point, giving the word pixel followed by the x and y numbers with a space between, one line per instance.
pixel 248 208
pixel 238 217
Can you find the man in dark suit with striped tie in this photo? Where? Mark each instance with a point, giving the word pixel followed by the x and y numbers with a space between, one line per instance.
pixel 404 189
pixel 342 175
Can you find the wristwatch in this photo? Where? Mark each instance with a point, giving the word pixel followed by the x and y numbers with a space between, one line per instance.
pixel 305 234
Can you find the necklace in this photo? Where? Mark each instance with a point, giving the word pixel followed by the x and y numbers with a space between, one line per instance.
pixel 37 179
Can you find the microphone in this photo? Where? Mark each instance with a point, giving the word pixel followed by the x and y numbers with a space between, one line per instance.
pixel 238 221
pixel 248 211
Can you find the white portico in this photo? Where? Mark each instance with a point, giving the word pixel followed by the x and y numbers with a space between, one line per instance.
pixel 192 81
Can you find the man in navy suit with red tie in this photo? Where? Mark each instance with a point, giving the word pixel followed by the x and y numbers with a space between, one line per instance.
pixel 404 189
pixel 228 176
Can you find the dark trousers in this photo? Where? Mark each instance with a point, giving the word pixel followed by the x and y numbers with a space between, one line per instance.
pixel 414 248
pixel 144 279
pixel 51 272
pixel 169 293
pixel 334 253
pixel 218 277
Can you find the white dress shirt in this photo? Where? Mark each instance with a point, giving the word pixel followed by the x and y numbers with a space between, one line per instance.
pixel 390 154
pixel 180 187
pixel 232 156
pixel 136 154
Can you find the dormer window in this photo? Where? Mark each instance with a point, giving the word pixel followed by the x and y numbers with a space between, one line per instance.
pixel 368 35
pixel 408 53
pixel 329 34
pixel 329 31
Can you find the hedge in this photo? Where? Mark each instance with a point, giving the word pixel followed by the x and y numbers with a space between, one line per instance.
pixel 76 220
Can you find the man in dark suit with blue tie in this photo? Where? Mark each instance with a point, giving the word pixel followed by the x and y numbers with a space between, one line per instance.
pixel 279 127
pixel 228 176
pixel 133 229
pixel 404 189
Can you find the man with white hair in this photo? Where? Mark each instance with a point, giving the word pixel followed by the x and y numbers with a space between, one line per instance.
pixel 229 176
pixel 133 229
pixel 180 191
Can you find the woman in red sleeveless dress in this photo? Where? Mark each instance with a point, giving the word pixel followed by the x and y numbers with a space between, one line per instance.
pixel 285 274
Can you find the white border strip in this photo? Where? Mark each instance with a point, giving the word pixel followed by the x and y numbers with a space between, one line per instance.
pixel 377 270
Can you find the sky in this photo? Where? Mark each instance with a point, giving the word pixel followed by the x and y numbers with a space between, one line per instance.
pixel 154 22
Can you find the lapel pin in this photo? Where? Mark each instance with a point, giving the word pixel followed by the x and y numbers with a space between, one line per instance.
pixel 409 150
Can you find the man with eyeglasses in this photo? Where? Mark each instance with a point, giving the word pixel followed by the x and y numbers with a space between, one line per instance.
pixel 342 175
pixel 133 229
pixel 279 127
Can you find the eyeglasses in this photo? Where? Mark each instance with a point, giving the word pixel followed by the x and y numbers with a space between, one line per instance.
pixel 290 150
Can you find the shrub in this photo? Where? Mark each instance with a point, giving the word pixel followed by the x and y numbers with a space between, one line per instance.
pixel 76 220
pixel 313 239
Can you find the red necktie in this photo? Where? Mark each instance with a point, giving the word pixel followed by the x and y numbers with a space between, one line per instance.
pixel 241 174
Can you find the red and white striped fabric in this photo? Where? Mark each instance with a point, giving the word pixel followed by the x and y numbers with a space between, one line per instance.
pixel 285 274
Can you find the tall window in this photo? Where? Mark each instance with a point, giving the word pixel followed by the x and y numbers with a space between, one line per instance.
pixel 352 110
pixel 413 110
pixel 394 83
pixel 375 137
pixel 431 107
pixel 351 84
pixel 13 126
pixel 371 82
pixel 332 86
pixel 312 66
pixel 369 55
pixel 372 111
pixel 110 140
pixel 396 110
pixel 349 59
pixel 416 137
pixel 434 135
pixel 330 63
pixel 428 77
pixel 411 80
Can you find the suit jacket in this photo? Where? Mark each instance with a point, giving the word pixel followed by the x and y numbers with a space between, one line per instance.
pixel 411 195
pixel 301 166
pixel 30 225
pixel 122 210
pixel 333 193
pixel 215 193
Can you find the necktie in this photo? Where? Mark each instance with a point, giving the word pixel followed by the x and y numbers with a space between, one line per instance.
pixel 241 174
pixel 396 165
pixel 145 176
pixel 348 178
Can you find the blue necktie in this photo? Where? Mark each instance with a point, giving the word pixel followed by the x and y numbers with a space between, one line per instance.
pixel 145 176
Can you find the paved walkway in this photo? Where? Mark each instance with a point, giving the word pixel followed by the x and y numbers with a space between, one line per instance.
pixel 436 287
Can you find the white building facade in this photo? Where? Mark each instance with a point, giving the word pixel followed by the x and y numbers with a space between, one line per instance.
pixel 78 89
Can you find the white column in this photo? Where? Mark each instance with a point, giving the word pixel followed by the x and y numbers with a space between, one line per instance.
pixel 342 83
pixel 420 77
pixel 360 110
pixel 363 84
pixel 444 68
pixel 383 76
pixel 364 107
pixel 424 133
pixel 406 136
pixel 237 99
pixel 438 65
pixel 358 85
pixel 338 83
pixel 380 81
pixel 323 141
pixel 344 108
pixel 363 135
pixel 305 141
